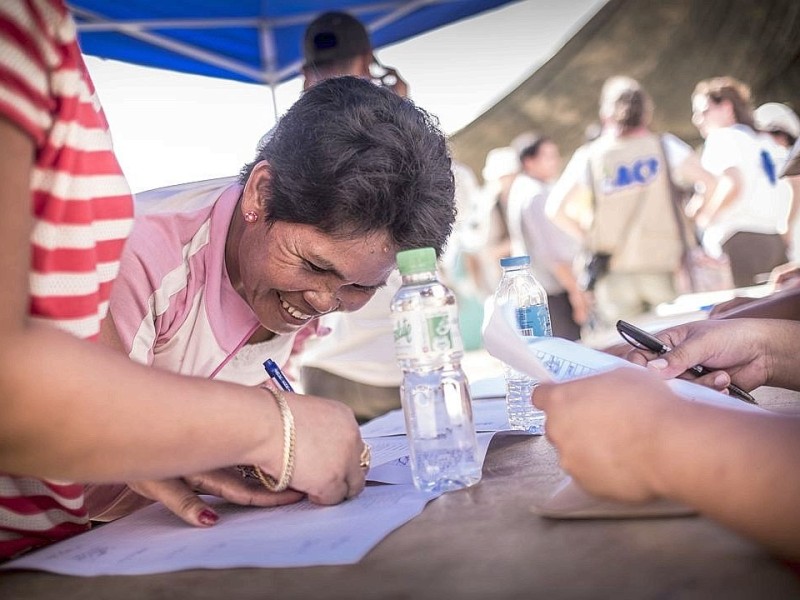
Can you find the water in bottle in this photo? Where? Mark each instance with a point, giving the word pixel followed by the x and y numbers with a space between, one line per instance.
pixel 435 392
pixel 523 302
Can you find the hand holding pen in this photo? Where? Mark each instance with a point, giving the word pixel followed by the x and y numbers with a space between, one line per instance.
pixel 274 371
pixel 642 340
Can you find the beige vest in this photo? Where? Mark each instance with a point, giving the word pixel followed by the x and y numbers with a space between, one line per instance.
pixel 633 216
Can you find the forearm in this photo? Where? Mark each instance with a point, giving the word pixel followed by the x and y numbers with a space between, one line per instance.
pixel 567 224
pixel 564 275
pixel 721 196
pixel 781 344
pixel 784 304
pixel 736 467
pixel 557 209
pixel 75 410
pixel 794 210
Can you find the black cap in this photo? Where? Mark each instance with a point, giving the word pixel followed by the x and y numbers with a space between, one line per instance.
pixel 335 36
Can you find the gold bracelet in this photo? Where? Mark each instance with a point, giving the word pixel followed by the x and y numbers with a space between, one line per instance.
pixel 278 485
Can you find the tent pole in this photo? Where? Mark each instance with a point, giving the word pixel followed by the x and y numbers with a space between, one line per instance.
pixel 273 89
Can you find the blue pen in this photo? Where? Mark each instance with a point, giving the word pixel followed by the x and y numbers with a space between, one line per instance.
pixel 274 371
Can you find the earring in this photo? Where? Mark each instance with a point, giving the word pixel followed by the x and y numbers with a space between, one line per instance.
pixel 251 216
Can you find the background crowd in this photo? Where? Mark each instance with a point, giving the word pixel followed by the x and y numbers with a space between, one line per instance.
pixel 611 236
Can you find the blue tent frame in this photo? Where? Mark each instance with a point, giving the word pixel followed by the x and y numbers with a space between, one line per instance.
pixel 256 41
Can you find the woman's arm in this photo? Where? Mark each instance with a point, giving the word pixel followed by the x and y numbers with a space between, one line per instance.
pixel 75 410
pixel 724 193
pixel 737 467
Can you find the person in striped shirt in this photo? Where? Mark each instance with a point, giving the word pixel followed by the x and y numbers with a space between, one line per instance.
pixel 72 410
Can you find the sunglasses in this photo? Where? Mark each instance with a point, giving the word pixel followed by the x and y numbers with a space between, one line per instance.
pixel 382 75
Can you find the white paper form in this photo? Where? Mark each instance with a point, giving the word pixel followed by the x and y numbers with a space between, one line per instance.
pixel 153 540
pixel 563 360
pixel 391 462
pixel 488 415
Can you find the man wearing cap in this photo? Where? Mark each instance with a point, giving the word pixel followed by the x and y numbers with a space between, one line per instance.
pixel 355 361
pixel 337 44
pixel 780 126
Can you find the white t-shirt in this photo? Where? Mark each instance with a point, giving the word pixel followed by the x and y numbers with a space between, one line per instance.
pixel 533 233
pixel 760 206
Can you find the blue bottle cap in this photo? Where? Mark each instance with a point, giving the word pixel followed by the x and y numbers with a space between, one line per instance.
pixel 515 261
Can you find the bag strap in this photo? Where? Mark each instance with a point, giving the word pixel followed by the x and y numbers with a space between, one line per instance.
pixel 674 196
pixel 677 212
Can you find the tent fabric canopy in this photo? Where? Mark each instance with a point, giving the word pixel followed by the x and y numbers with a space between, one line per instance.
pixel 256 41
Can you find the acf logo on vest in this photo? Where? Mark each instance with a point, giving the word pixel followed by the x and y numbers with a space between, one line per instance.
pixel 639 172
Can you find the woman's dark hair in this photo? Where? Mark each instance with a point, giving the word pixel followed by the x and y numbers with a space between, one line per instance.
pixel 625 102
pixel 351 158
pixel 531 150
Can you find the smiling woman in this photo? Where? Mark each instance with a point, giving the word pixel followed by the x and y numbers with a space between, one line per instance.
pixel 219 275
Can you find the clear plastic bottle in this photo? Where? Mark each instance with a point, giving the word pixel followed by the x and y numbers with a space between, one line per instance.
pixel 435 391
pixel 523 301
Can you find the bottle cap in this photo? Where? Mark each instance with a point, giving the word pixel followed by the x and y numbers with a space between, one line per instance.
pixel 515 261
pixel 418 260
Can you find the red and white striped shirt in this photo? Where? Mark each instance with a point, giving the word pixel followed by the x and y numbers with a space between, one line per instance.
pixel 83 211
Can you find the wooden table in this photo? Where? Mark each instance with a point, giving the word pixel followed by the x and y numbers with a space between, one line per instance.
pixel 486 542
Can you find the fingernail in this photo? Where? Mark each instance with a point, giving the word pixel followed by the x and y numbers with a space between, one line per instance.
pixel 658 363
pixel 208 517
pixel 721 380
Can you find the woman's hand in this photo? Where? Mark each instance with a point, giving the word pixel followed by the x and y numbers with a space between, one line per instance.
pixel 180 495
pixel 327 450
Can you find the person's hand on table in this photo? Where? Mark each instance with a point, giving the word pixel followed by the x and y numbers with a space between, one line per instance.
pixel 607 428
pixel 734 350
pixel 327 468
pixel 180 495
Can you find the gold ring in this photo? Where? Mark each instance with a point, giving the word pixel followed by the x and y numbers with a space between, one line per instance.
pixel 366 456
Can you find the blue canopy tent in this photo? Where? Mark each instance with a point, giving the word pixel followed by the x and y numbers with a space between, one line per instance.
pixel 257 41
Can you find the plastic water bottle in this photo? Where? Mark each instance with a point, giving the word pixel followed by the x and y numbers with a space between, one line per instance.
pixel 435 392
pixel 523 301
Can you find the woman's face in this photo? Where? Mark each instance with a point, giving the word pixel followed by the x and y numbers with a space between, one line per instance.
pixel 708 115
pixel 290 274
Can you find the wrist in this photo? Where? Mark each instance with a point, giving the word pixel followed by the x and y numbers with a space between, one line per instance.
pixel 778 340
pixel 276 479
pixel 267 448
pixel 668 425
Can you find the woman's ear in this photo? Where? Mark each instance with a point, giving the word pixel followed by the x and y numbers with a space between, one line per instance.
pixel 255 196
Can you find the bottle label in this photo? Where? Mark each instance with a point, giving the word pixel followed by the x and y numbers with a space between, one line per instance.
pixel 430 332
pixel 533 320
